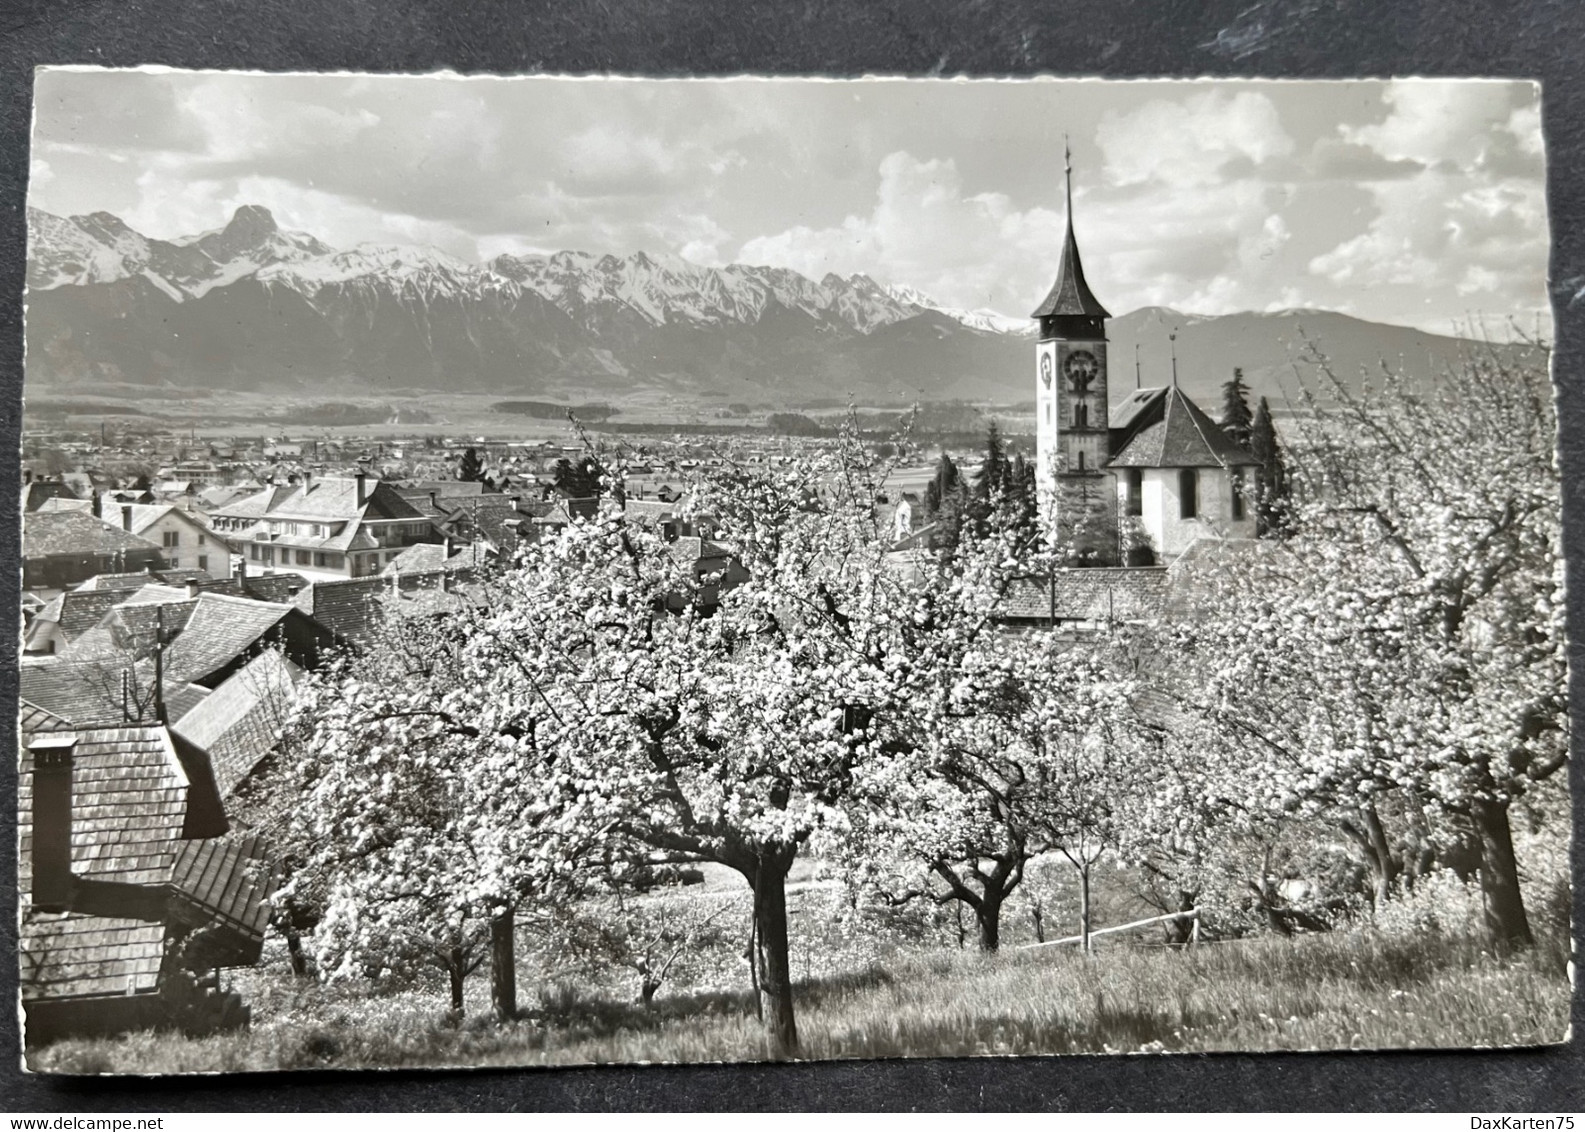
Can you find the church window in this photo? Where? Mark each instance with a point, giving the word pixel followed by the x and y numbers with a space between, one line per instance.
pixel 1079 455
pixel 1081 416
pixel 1189 493
pixel 1136 491
pixel 1237 477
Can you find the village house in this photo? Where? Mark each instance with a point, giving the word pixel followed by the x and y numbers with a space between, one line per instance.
pixel 324 528
pixel 133 899
pixel 62 548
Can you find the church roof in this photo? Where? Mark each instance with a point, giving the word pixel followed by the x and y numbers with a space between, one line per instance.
pixel 1070 294
pixel 1171 431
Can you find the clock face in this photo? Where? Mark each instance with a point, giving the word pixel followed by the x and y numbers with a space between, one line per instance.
pixel 1045 370
pixel 1081 368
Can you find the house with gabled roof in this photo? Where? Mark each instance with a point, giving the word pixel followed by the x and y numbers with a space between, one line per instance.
pixel 62 548
pixel 131 903
pixel 239 724
pixel 324 527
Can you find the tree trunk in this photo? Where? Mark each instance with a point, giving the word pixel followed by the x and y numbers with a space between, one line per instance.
pixel 647 987
pixel 1506 922
pixel 457 969
pixel 989 914
pixel 1384 865
pixel 294 951
pixel 775 965
pixel 503 965
pixel 1084 907
pixel 1037 913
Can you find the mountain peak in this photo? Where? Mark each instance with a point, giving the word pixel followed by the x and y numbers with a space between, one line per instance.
pixel 251 222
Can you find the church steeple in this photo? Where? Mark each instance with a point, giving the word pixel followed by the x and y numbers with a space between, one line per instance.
pixel 1070 296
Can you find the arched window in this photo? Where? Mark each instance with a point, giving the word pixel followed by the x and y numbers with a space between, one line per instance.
pixel 1080 456
pixel 1237 477
pixel 1081 415
pixel 1188 492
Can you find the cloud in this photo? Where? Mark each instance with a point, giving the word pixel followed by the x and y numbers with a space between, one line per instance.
pixel 1440 228
pixel 966 250
pixel 1192 141
pixel 40 173
pixel 1430 121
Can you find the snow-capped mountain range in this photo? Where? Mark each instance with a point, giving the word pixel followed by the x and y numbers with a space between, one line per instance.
pixel 253 306
pixel 663 289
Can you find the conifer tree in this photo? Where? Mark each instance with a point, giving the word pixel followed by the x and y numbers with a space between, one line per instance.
pixel 993 472
pixel 471 469
pixel 1236 420
pixel 1273 489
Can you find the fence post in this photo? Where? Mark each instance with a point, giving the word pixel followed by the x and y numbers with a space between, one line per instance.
pixel 1194 929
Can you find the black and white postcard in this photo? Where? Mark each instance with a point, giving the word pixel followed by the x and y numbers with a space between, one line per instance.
pixel 551 571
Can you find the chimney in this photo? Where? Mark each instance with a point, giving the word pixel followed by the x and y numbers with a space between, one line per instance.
pixel 434 505
pixel 308 480
pixel 98 502
pixel 27 475
pixel 363 486
pixel 515 501
pixel 52 821
pixel 126 516
pixel 241 572
pixel 192 588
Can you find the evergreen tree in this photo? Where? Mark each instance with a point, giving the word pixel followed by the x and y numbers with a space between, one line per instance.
pixel 994 470
pixel 471 469
pixel 1236 419
pixel 1273 488
pixel 578 481
pixel 947 498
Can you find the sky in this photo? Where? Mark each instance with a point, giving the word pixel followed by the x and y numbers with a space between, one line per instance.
pixel 1413 202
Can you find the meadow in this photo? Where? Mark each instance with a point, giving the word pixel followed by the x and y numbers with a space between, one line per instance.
pixel 1356 989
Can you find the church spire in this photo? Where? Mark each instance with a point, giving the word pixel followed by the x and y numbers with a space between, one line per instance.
pixel 1070 294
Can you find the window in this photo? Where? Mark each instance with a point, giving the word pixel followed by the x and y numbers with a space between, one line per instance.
pixel 1078 455
pixel 1136 491
pixel 319 559
pixel 201 540
pixel 302 558
pixel 1189 493
pixel 253 551
pixel 1051 412
pixel 1237 477
pixel 1081 416
pixel 170 538
pixel 203 561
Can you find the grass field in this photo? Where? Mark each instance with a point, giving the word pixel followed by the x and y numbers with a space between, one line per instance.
pixel 1353 990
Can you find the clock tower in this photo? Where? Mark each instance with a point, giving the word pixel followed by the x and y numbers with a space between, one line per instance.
pixel 1070 391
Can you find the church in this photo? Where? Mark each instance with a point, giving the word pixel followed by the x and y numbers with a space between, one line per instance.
pixel 1153 471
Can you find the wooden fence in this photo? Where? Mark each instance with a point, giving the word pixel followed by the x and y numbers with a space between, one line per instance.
pixel 1084 940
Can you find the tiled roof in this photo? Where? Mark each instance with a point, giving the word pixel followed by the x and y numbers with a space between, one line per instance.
pixel 70 954
pixel 238 724
pixel 353 608
pixel 219 630
pixel 129 804
pixel 278 588
pixel 1174 432
pixel 46 533
pixel 133 627
pixel 181 699
pixel 326 499
pixel 81 610
pixel 1118 593
pixel 228 880
pixel 85 693
pixel 116 582
pixel 32 718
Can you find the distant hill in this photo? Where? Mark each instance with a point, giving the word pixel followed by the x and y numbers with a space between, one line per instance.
pixel 252 306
